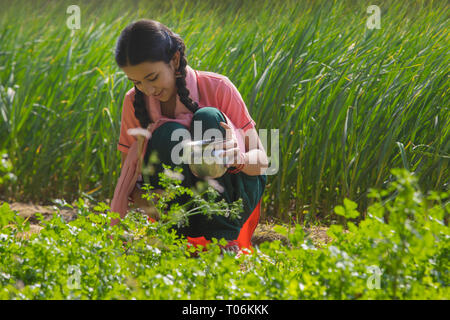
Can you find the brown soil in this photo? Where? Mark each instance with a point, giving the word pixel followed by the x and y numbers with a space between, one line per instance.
pixel 264 231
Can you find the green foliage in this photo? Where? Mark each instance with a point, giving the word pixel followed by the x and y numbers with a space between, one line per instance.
pixel 348 211
pixel 400 250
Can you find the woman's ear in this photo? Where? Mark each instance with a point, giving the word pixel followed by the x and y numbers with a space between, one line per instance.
pixel 176 60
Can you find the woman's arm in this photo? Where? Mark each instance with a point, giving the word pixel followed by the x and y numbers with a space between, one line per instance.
pixel 231 103
pixel 254 161
pixel 124 156
pixel 139 202
pixel 255 158
pixel 134 192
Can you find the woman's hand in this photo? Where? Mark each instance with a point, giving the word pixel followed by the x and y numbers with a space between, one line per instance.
pixel 232 153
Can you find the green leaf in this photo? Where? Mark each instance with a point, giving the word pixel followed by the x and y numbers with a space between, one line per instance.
pixel 403 155
pixel 6 214
pixel 297 237
pixel 349 204
pixel 349 211
pixel 339 210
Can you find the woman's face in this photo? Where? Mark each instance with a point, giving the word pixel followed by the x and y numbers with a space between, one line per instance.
pixel 155 79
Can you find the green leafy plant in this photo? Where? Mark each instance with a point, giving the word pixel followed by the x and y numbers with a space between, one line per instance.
pixel 399 251
pixel 202 199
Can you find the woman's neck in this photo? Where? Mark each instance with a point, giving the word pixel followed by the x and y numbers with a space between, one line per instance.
pixel 168 107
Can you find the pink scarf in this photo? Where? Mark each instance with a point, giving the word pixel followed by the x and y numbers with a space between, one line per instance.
pixel 132 165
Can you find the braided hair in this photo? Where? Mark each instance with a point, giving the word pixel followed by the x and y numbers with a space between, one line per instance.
pixel 150 41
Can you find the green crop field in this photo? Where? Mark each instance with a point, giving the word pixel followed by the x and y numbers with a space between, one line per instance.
pixel 364 147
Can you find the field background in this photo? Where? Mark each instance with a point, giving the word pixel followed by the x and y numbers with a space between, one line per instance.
pixel 350 103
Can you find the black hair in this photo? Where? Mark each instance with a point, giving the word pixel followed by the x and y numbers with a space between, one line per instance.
pixel 150 41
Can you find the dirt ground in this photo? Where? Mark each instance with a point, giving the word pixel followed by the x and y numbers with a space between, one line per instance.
pixel 264 231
